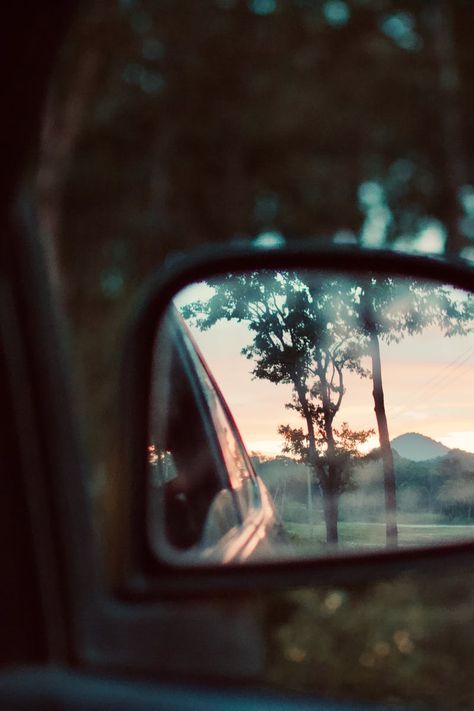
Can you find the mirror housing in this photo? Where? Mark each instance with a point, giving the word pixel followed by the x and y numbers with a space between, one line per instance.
pixel 139 562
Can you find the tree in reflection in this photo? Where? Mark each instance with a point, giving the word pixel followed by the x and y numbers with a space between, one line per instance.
pixel 390 309
pixel 302 336
pixel 307 330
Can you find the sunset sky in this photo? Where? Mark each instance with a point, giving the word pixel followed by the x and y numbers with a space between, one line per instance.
pixel 428 382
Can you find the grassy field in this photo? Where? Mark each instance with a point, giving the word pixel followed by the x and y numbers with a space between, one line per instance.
pixel 372 535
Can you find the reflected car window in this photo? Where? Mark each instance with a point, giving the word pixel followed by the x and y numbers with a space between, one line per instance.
pixel 186 481
pixel 238 466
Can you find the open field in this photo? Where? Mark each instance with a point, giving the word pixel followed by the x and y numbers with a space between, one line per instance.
pixel 372 535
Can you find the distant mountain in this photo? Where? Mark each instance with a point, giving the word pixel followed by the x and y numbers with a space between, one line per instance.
pixel 418 447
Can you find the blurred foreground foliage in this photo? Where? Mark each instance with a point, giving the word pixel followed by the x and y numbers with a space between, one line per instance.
pixel 408 640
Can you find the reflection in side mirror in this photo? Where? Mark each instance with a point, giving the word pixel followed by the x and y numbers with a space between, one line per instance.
pixel 353 396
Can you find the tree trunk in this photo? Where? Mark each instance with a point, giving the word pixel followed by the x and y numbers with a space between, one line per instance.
pixel 310 496
pixel 301 392
pixel 385 448
pixel 62 125
pixel 455 173
pixel 331 515
pixel 329 482
pixel 331 490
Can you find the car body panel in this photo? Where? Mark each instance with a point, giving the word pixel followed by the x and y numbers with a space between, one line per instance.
pixel 240 521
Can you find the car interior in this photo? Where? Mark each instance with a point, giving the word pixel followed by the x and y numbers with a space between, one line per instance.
pixel 99 606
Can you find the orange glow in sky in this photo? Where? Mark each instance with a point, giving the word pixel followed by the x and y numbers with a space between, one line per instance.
pixel 428 384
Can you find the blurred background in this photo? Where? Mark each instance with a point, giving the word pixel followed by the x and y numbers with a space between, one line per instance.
pixel 175 123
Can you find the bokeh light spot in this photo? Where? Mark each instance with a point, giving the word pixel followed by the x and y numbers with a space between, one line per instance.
pixel 263 7
pixel 336 12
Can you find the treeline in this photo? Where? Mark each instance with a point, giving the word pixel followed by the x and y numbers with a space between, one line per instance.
pixel 438 490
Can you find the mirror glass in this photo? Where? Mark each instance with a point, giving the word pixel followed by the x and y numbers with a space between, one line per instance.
pixel 306 413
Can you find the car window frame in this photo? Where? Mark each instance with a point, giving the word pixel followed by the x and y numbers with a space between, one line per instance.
pixel 198 266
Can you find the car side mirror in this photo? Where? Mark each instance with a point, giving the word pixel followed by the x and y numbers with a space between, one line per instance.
pixel 300 404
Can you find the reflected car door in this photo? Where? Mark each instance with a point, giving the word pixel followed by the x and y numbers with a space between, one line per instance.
pixel 260 522
pixel 214 505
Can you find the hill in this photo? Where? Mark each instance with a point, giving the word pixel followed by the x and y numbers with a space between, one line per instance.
pixel 418 447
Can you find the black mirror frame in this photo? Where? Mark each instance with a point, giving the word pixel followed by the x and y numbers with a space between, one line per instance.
pixel 139 573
